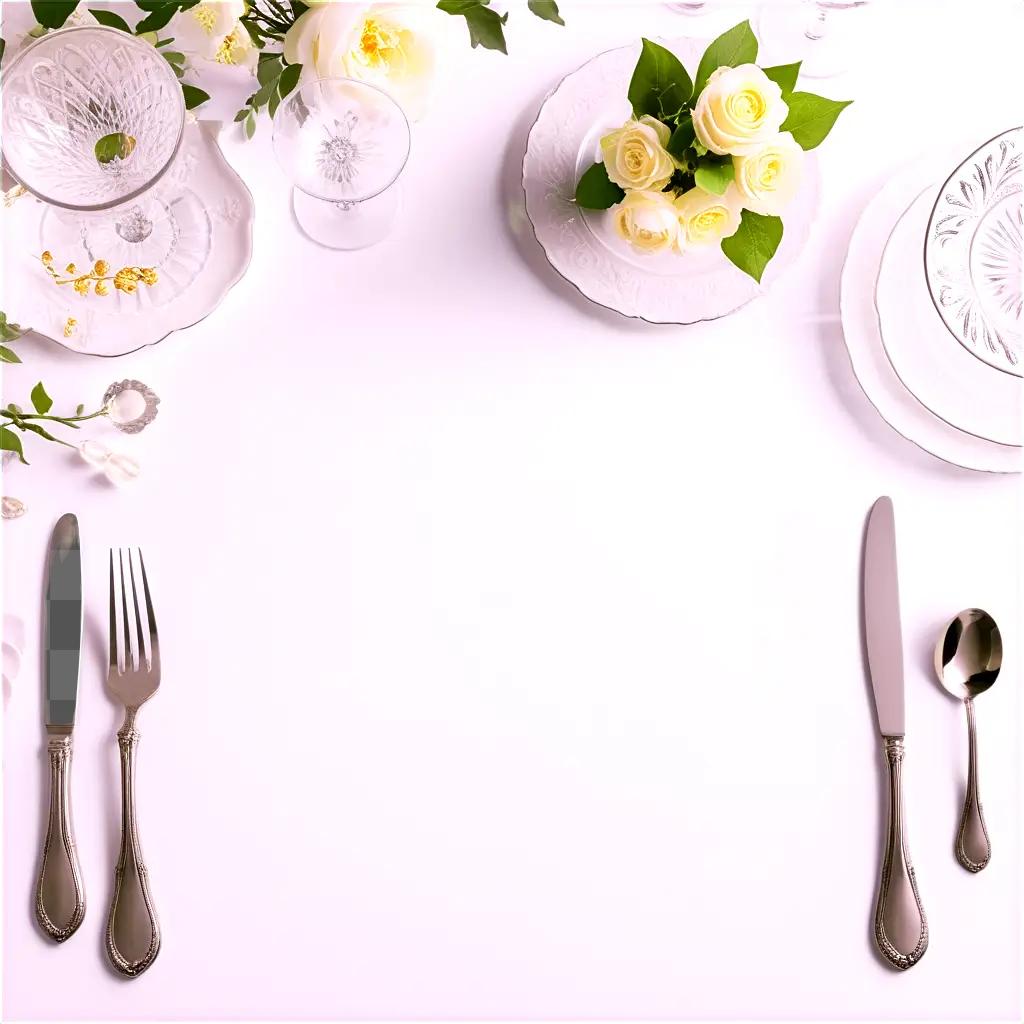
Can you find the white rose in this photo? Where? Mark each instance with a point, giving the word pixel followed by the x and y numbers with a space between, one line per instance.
pixel 647 220
pixel 388 45
pixel 705 219
pixel 201 31
pixel 635 155
pixel 737 110
pixel 769 177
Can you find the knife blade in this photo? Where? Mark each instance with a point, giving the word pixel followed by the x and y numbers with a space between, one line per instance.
pixel 62 634
pixel 901 929
pixel 883 634
pixel 60 895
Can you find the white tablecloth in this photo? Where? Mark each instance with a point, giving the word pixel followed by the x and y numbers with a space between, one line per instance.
pixel 512 664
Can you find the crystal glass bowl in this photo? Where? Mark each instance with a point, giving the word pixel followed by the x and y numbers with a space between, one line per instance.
pixel 974 252
pixel 92 117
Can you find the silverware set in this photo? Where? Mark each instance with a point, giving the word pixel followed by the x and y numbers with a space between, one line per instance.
pixel 132 932
pixel 967 661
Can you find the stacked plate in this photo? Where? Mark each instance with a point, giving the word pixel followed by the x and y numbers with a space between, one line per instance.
pixel 932 300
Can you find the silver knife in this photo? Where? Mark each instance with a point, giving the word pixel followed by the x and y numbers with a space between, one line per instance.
pixel 901 930
pixel 60 896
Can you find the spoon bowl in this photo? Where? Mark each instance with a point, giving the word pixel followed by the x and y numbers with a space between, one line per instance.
pixel 969 654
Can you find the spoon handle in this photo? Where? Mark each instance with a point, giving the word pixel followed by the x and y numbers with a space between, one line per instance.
pixel 901 930
pixel 973 849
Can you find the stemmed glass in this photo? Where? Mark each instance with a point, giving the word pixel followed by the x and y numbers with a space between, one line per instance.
pixel 816 32
pixel 344 144
pixel 93 121
pixel 707 17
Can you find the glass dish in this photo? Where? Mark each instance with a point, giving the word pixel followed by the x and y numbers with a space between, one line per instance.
pixel 973 253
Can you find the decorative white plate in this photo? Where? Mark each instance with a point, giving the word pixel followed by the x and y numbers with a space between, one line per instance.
pixel 666 288
pixel 209 227
pixel 974 253
pixel 944 376
pixel 863 335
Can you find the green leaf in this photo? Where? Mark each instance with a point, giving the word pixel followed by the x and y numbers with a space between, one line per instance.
pixel 242 114
pixel 546 9
pixel 269 71
pixel 289 79
pixel 660 84
pixel 10 442
pixel 41 401
pixel 682 138
pixel 730 50
pixel 174 57
pixel 596 191
pixel 193 96
pixel 486 27
pixel 275 102
pixel 163 42
pixel 754 243
pixel 811 117
pixel 110 19
pixel 8 355
pixel 249 127
pixel 53 13
pixel 714 176
pixel 79 410
pixel 116 146
pixel 784 76
pixel 158 17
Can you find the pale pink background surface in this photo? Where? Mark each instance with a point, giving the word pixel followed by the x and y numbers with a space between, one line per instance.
pixel 512 665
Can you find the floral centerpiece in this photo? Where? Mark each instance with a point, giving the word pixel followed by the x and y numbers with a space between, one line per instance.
pixel 709 160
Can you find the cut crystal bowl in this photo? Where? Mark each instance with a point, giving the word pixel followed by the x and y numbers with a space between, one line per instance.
pixel 92 117
pixel 974 252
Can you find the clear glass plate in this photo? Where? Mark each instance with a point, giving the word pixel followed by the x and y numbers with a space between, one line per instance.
pixel 664 288
pixel 944 376
pixel 863 336
pixel 200 245
pixel 974 253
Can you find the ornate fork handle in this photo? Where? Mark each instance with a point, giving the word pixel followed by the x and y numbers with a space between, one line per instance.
pixel 60 895
pixel 901 929
pixel 133 933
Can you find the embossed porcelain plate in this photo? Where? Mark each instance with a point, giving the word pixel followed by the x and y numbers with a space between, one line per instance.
pixel 863 336
pixel 974 253
pixel 944 376
pixel 666 288
pixel 201 225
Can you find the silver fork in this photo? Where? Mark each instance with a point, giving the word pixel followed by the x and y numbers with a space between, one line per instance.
pixel 133 933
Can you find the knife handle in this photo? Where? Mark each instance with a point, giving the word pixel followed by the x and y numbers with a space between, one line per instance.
pixel 133 933
pixel 901 929
pixel 973 849
pixel 60 895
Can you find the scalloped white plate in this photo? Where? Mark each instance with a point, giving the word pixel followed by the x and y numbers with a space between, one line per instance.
pixel 220 215
pixel 665 288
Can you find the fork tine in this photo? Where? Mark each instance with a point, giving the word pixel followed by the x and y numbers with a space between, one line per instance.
pixel 138 616
pixel 154 641
pixel 129 651
pixel 115 665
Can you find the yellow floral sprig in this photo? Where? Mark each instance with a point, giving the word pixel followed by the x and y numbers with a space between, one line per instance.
pixel 99 277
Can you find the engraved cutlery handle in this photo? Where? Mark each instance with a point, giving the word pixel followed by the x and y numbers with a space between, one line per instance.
pixel 60 895
pixel 133 933
pixel 901 930
pixel 973 848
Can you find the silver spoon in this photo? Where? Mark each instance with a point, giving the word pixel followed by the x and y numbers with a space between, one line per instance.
pixel 968 657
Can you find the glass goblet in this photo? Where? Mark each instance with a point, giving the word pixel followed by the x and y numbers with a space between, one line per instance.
pixel 819 33
pixel 93 120
pixel 343 144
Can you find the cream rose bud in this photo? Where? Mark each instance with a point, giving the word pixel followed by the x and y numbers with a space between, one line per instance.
pixel 705 219
pixel 635 155
pixel 737 110
pixel 769 177
pixel 647 220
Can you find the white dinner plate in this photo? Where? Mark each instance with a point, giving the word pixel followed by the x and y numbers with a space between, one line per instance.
pixel 564 142
pixel 212 247
pixel 946 377
pixel 863 335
